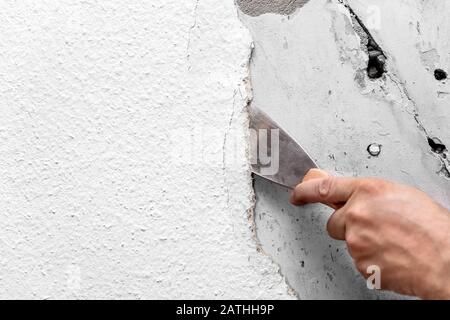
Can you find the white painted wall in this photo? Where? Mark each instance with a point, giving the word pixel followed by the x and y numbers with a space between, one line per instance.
pixel 123 154
pixel 101 102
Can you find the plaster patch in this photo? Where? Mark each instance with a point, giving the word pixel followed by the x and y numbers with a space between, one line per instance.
pixel 258 7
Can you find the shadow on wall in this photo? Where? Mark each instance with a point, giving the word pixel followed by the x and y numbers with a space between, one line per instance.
pixel 315 266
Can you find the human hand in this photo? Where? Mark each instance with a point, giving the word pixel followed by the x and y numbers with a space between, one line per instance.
pixel 397 228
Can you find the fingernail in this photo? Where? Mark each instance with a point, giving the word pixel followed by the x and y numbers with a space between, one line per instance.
pixel 324 187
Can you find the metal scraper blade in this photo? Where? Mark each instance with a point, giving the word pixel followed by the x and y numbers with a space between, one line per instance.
pixel 275 155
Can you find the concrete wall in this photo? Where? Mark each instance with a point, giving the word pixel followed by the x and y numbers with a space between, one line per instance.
pixel 123 157
pixel 309 72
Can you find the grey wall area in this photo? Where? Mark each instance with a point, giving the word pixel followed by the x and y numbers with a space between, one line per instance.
pixel 309 73
pixel 259 7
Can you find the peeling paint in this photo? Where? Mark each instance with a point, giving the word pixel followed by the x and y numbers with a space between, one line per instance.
pixel 247 85
pixel 259 7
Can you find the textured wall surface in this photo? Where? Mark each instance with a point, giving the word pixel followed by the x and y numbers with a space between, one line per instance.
pixel 259 7
pixel 309 72
pixel 123 162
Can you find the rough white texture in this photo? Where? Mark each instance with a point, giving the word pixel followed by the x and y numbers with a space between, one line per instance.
pixel 309 73
pixel 123 162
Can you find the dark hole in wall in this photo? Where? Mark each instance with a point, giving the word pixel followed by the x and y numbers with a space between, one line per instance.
pixel 436 145
pixel 377 60
pixel 440 74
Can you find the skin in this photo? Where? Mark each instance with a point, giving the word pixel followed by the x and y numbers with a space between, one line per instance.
pixel 395 227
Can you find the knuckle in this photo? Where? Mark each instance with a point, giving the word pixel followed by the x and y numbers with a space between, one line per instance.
pixel 332 228
pixel 357 244
pixel 361 267
pixel 352 241
pixel 352 215
pixel 367 186
pixel 372 186
pixel 331 224
pixel 360 215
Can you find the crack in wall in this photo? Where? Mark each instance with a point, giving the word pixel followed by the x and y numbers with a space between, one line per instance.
pixel 377 58
pixel 194 24
pixel 224 146
pixel 440 152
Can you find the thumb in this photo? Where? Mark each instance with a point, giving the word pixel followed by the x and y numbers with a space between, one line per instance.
pixel 331 191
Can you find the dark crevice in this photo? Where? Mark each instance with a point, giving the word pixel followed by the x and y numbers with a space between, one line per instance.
pixel 377 58
pixel 441 150
pixel 437 146
pixel 445 172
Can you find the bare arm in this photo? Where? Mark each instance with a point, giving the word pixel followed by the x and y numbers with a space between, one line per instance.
pixel 395 227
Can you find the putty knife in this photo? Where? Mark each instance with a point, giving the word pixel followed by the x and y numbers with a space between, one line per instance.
pixel 275 155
